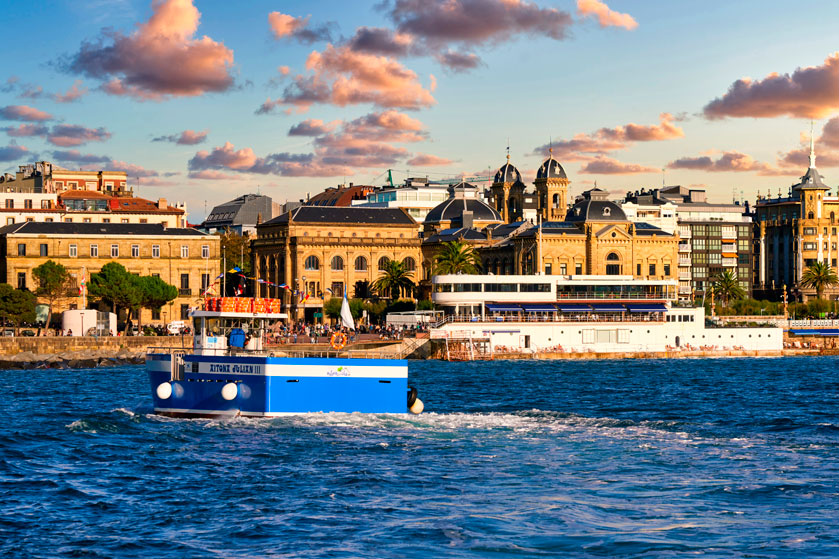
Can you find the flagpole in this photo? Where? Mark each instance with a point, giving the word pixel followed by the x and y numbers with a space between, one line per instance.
pixel 224 272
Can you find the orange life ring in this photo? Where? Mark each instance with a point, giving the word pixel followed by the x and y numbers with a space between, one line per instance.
pixel 338 341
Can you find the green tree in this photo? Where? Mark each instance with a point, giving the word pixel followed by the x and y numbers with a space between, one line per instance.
pixel 16 306
pixel 154 293
pixel 117 287
pixel 53 280
pixel 395 279
pixel 819 275
pixel 457 257
pixel 236 250
pixel 727 288
pixel 332 307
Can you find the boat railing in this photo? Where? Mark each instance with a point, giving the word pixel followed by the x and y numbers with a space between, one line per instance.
pixel 554 317
pixel 295 353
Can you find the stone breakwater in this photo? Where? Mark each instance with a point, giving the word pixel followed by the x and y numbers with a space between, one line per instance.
pixel 84 359
pixel 81 352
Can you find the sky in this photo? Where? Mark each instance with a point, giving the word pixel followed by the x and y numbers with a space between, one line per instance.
pixel 204 100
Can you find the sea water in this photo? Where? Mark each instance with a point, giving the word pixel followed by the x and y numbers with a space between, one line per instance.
pixel 633 458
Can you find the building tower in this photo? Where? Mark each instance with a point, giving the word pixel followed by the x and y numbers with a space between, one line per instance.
pixel 551 189
pixel 507 192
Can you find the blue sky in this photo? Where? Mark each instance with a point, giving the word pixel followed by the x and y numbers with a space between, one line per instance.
pixel 539 70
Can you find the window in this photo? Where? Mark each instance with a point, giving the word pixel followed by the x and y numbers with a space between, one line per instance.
pixel 578 269
pixel 810 246
pixel 155 251
pixel 68 220
pixel 205 251
pixel 143 220
pixel 311 263
pixel 123 220
pixel 184 281
pixel 563 269
pixel 106 220
pixel 184 312
pixel 21 280
pixel 548 270
pixel 184 251
pixel 205 281
pixel 43 249
pixel 10 204
pixel 698 244
pixel 667 270
pixel 383 262
pixel 135 251
pixel 714 258
pixel 337 289
pixel 809 230
pixel 48 220
pixel 27 204
pixel 94 251
pixel 743 258
pixel 74 251
pixel 114 251
pixel 410 264
pixel 360 264
pixel 337 263
pixel 638 270
pixel 155 314
pixel 10 221
pixel 21 249
pixel 86 220
pixel 45 204
pixel 652 269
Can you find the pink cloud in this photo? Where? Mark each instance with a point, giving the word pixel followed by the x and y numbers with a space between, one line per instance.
pixel 68 135
pixel 161 58
pixel 608 166
pixel 185 138
pixel 213 176
pixel 606 17
pixel 379 40
pixel 13 152
pixel 811 92
pixel 73 94
pixel 283 25
pixel 427 160
pixel 342 77
pixel 729 161
pixel 132 169
pixel 312 127
pixel 23 112
pixel 830 133
pixel 154 181
pixel 25 130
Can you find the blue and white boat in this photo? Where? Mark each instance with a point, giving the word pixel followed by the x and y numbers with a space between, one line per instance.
pixel 232 371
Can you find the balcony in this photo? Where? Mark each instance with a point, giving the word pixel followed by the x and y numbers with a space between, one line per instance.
pixel 684 247
pixel 684 262
pixel 729 234
pixel 729 262
pixel 184 292
pixel 684 289
pixel 684 275
pixel 685 232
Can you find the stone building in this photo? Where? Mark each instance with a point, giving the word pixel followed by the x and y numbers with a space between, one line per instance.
pixel 320 252
pixel 45 177
pixel 183 257
pixel 794 231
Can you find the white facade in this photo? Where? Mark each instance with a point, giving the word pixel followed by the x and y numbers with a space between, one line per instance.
pixel 417 200
pixel 88 322
pixel 662 216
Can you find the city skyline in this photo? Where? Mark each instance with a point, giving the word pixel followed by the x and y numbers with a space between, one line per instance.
pixel 203 101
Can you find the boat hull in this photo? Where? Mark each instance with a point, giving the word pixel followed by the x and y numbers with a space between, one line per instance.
pixel 275 386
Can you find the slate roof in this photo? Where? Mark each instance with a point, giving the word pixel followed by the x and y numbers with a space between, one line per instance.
pixel 551 169
pixel 507 173
pixel 345 214
pixel 114 229
pixel 453 208
pixel 447 235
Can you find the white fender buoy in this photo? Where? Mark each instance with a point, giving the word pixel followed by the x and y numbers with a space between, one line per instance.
pixel 164 390
pixel 229 391
pixel 417 408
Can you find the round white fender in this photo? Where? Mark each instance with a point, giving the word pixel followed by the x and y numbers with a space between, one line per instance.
pixel 164 390
pixel 229 391
pixel 417 408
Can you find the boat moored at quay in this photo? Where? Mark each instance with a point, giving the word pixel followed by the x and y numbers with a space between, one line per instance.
pixel 232 370
pixel 601 314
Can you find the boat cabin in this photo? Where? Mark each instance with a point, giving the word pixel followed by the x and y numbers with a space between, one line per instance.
pixel 224 333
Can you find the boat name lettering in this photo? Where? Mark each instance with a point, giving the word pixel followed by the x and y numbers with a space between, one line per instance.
pixel 227 368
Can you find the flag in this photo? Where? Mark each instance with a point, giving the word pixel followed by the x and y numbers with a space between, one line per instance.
pixel 234 270
pixel 346 315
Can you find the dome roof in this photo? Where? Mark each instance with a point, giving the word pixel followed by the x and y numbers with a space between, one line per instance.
pixel 595 207
pixel 453 208
pixel 551 169
pixel 507 173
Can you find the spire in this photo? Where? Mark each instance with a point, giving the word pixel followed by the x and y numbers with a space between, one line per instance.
pixel 812 148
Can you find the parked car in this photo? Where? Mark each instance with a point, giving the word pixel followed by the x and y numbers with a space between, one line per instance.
pixel 8 332
pixel 27 333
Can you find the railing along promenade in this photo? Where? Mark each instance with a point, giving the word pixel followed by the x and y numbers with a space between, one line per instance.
pixel 597 295
pixel 554 317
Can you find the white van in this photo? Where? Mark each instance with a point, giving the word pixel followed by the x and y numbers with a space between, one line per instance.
pixel 176 327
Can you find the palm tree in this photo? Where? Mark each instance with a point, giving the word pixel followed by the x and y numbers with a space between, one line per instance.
pixel 819 275
pixel 456 257
pixel 726 287
pixel 395 278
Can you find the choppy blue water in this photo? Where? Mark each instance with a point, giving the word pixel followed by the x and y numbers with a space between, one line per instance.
pixel 719 458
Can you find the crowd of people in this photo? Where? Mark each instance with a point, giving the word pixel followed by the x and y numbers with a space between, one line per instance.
pixel 302 332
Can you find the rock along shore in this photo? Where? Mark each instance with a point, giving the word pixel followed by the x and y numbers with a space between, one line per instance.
pixel 83 359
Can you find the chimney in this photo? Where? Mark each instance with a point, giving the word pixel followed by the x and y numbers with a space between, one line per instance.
pixel 467 219
pixel 162 204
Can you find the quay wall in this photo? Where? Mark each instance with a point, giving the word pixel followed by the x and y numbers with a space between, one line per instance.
pixel 54 345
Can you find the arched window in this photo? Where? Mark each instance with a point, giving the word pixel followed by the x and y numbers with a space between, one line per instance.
pixel 360 264
pixel 496 267
pixel 556 200
pixel 383 262
pixel 410 264
pixel 312 263
pixel 614 257
pixel 613 267
pixel 337 263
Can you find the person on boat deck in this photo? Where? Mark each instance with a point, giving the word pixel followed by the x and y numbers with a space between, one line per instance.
pixel 236 339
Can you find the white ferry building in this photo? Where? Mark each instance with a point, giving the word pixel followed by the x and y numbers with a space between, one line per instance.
pixel 582 314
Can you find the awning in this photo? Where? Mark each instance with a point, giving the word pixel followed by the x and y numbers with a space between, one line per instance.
pixel 501 307
pixel 608 307
pixel 570 307
pixel 826 332
pixel 649 307
pixel 539 308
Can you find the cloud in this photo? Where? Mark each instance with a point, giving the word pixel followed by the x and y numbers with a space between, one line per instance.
pixel 426 160
pixel 459 61
pixel 13 152
pixel 312 127
pixel 161 58
pixel 75 156
pixel 26 130
pixel 23 112
pixel 213 176
pixel 606 17
pixel 154 181
pixel 283 25
pixel 380 40
pixel 729 161
pixel 608 166
pixel 68 135
pixel 606 140
pixel 73 94
pixel 185 138
pixel 811 92
pixel 31 92
pixel 131 169
pixel 341 76
pixel 830 133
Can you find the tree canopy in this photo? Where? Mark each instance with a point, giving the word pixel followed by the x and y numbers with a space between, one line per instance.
pixel 154 292
pixel 395 279
pixel 53 280
pixel 727 288
pixel 819 275
pixel 457 257
pixel 116 286
pixel 16 305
